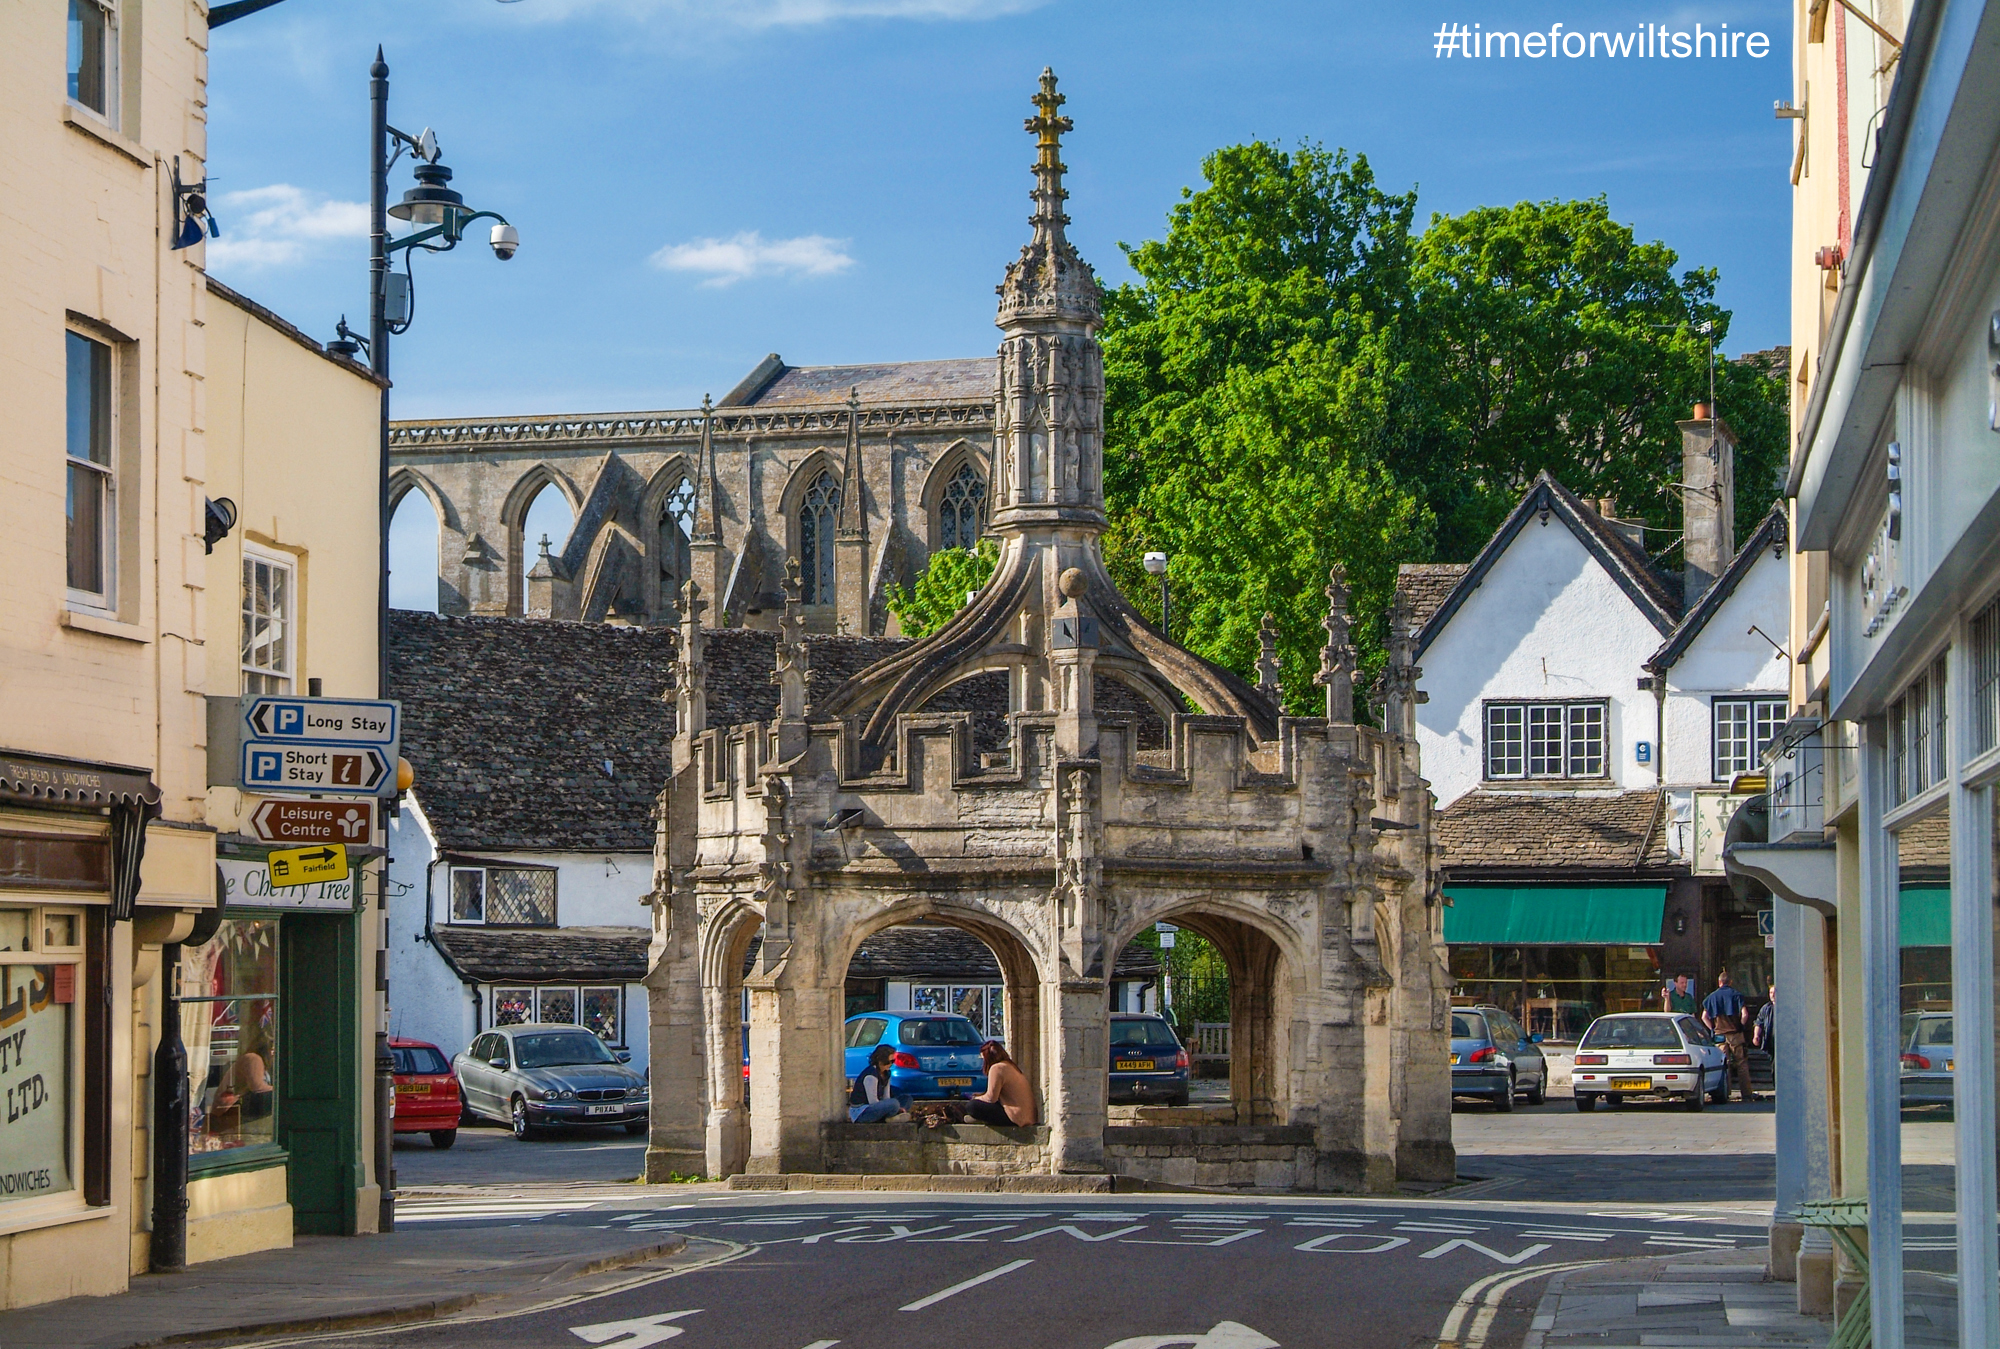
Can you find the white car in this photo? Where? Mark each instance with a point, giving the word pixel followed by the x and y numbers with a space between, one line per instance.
pixel 1632 1054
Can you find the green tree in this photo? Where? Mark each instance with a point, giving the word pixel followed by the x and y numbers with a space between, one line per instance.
pixel 953 575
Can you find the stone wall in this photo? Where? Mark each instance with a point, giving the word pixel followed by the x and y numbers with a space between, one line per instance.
pixel 1219 1156
pixel 948 1150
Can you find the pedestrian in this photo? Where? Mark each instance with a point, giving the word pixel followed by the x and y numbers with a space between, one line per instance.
pixel 1679 997
pixel 871 1101
pixel 1722 1013
pixel 1766 1029
pixel 1008 1099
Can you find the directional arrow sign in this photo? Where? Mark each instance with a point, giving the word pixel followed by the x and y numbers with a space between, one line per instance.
pixel 303 866
pixel 272 766
pixel 341 721
pixel 339 821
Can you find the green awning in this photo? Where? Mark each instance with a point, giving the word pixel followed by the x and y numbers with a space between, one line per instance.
pixel 1926 915
pixel 1554 915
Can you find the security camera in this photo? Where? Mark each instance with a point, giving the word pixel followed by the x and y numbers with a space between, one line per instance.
pixel 506 241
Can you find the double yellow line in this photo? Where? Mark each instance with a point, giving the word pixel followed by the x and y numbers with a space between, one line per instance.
pixel 1471 1319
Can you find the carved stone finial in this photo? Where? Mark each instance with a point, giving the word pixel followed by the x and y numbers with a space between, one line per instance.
pixel 1268 669
pixel 1050 280
pixel 1398 695
pixel 793 659
pixel 1336 661
pixel 690 667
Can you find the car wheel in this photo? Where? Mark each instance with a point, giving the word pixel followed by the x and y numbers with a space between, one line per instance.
pixel 637 1126
pixel 1540 1095
pixel 1586 1103
pixel 519 1119
pixel 1504 1102
pixel 1696 1099
pixel 443 1138
pixel 1720 1094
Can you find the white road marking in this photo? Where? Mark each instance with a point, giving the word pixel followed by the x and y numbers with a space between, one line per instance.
pixel 1462 1243
pixel 822 1344
pixel 1199 1239
pixel 1079 1233
pixel 978 1235
pixel 1384 1242
pixel 635 1333
pixel 1225 1335
pixel 958 1288
pixel 1330 1222
pixel 1439 1227
pixel 897 1231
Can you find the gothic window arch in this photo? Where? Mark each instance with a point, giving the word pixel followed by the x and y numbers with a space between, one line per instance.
pixel 962 509
pixel 676 530
pixel 818 511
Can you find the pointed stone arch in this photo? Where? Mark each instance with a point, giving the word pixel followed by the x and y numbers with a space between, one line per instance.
pixel 725 946
pixel 447 564
pixel 662 490
pixel 792 503
pixel 513 517
pixel 938 485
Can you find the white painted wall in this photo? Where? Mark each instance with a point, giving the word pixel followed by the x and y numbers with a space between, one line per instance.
pixel 1547 622
pixel 1726 660
pixel 427 999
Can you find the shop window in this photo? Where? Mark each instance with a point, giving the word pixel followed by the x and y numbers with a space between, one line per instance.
pixel 1918 758
pixel 981 1004
pixel 513 1006
pixel 92 489
pixel 41 957
pixel 1546 740
pixel 268 603
pixel 602 1008
pixel 229 1022
pixel 555 1006
pixel 93 55
pixel 1744 728
pixel 504 896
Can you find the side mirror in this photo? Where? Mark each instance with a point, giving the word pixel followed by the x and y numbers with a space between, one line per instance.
pixel 497 1063
pixel 624 1056
pixel 1536 1038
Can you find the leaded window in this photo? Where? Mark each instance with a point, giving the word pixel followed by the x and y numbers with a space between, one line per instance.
pixel 962 511
pixel 1546 740
pixel 504 896
pixel 817 515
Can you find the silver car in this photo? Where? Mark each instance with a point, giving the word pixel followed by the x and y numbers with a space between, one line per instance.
pixel 1632 1054
pixel 1928 1062
pixel 528 1077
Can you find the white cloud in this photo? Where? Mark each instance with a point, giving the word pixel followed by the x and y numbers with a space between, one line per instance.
pixel 778 13
pixel 724 262
pixel 278 225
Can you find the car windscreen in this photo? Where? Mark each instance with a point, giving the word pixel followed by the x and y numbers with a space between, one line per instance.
pixel 1635 1032
pixel 420 1059
pixel 1143 1035
pixel 938 1030
pixel 558 1048
pixel 1468 1026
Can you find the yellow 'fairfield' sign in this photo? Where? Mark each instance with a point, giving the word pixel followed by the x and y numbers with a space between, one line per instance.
pixel 304 866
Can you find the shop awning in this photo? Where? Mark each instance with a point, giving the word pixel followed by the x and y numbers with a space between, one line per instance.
pixel 1926 915
pixel 1554 915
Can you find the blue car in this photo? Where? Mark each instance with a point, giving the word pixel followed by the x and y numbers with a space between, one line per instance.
pixel 1492 1057
pixel 937 1054
pixel 1148 1062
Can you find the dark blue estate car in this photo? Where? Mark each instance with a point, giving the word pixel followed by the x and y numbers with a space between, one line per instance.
pixel 1147 1061
pixel 937 1054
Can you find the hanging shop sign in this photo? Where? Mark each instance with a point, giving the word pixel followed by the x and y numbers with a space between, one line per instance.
pixel 249 884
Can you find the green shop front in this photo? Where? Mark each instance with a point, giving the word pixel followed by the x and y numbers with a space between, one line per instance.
pixel 278 1071
pixel 1554 956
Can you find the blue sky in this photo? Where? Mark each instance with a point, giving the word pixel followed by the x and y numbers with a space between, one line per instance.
pixel 699 182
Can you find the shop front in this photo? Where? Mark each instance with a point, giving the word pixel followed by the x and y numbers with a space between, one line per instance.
pixel 1553 956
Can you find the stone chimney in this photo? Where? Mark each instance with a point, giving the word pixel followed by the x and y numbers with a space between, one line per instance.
pixel 1708 501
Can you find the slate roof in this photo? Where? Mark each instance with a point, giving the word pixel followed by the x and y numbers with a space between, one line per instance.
pixel 775 384
pixel 485 955
pixel 1771 533
pixel 1649 588
pixel 1426 586
pixel 1542 831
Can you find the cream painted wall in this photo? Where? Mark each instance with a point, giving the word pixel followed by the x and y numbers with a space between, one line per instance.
pixel 1548 622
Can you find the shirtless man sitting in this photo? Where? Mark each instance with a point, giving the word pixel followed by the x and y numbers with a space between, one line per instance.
pixel 1008 1100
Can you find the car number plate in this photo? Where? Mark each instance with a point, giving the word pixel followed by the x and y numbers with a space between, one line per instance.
pixel 604 1110
pixel 1454 1060
pixel 1135 1065
pixel 954 1081
pixel 1631 1084
pixel 414 1088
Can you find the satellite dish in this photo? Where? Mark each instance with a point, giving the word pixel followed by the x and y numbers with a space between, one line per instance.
pixel 427 146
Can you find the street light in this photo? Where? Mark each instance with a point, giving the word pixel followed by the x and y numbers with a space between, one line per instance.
pixel 444 215
pixel 1156 564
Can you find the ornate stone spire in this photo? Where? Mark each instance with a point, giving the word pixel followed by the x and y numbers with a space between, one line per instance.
pixel 1269 671
pixel 690 670
pixel 1399 694
pixel 850 537
pixel 1050 280
pixel 1336 660
pixel 707 528
pixel 793 659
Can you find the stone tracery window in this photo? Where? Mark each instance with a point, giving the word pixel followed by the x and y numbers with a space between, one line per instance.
pixel 817 514
pixel 676 529
pixel 962 509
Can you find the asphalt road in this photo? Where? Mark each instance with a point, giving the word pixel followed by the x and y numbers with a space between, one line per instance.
pixel 489 1154
pixel 1021 1272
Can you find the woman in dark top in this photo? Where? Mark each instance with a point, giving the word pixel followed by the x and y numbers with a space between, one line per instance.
pixel 871 1099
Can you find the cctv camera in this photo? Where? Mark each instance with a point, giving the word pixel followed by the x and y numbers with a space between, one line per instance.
pixel 506 241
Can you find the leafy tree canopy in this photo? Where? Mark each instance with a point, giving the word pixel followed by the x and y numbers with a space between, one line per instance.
pixel 1296 380
pixel 941 591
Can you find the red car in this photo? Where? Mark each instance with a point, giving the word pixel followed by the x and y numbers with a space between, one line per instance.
pixel 426 1092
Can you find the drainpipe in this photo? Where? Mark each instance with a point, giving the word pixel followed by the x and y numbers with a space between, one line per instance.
pixel 170 1123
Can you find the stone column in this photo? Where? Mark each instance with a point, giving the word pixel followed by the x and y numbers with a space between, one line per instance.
pixel 794 1043
pixel 1076 1022
pixel 678 1068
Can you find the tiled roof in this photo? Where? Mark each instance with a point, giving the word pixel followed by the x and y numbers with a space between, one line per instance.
pixel 1925 847
pixel 509 724
pixel 545 954
pixel 1523 830
pixel 901 381
pixel 1426 585
pixel 1771 532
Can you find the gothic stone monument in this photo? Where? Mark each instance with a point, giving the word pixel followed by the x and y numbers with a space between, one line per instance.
pixel 1128 782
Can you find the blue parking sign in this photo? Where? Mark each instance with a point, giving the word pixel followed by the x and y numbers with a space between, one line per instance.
pixel 267 766
pixel 290 718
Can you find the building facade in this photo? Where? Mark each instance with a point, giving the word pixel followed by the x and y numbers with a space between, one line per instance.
pixel 1895 487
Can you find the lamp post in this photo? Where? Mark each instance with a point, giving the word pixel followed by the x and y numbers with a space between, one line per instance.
pixel 443 215
pixel 1156 564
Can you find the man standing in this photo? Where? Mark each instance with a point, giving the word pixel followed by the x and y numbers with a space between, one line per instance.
pixel 1722 1013
pixel 1679 998
pixel 1765 1032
